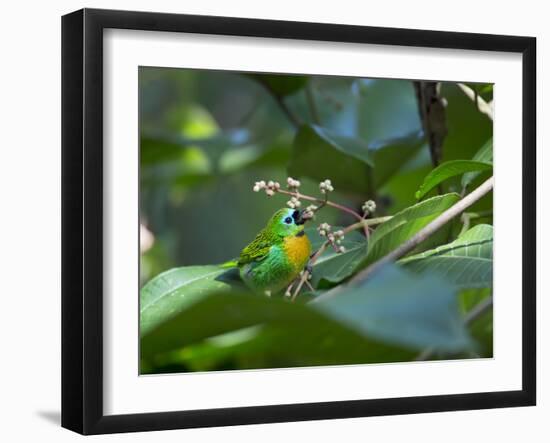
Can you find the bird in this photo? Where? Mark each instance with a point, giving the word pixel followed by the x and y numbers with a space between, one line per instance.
pixel 277 255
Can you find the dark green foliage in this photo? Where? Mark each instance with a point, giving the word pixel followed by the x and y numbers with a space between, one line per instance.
pixel 206 137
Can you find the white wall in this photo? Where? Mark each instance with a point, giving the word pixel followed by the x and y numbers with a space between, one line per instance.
pixel 30 219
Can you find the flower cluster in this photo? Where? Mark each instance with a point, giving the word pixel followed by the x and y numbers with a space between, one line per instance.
pixel 309 212
pixel 334 238
pixel 270 187
pixel 324 229
pixel 369 207
pixel 292 184
pixel 294 203
pixel 326 186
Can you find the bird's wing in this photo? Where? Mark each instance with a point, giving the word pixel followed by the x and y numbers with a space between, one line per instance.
pixel 257 250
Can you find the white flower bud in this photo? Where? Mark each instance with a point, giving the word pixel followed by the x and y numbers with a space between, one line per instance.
pixel 277 185
pixel 269 192
pixel 256 188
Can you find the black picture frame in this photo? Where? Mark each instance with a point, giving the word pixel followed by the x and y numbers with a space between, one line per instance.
pixel 82 220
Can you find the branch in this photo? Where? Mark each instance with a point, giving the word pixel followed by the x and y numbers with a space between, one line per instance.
pixel 482 105
pixel 365 223
pixel 429 229
pixel 323 202
pixel 431 108
pixel 420 236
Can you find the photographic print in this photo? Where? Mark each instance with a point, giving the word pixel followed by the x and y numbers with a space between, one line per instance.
pixel 291 220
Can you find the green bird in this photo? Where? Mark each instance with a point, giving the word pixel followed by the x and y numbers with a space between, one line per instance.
pixel 277 255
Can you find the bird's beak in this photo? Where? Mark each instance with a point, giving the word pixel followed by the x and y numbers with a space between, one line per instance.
pixel 297 216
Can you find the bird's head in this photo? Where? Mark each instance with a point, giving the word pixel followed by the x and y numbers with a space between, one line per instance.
pixel 286 222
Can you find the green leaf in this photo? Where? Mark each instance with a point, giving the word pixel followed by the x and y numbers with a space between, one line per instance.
pixel 173 291
pixel 279 334
pixel 449 169
pixel 400 308
pixel 405 224
pixel 391 154
pixel 467 262
pixel 348 161
pixel 331 267
pixel 319 155
pixel 281 85
pixel 485 154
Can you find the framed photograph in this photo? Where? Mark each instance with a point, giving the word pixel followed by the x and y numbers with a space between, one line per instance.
pixel 269 221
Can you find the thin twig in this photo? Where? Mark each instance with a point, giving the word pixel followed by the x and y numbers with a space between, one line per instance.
pixel 467 217
pixel 420 236
pixel 323 202
pixel 305 274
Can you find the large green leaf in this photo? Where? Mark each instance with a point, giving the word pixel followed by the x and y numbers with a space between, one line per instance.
pixel 332 267
pixel 467 262
pixel 348 161
pixel 405 224
pixel 279 334
pixel 485 154
pixel 319 155
pixel 173 291
pixel 450 169
pixel 390 155
pixel 400 308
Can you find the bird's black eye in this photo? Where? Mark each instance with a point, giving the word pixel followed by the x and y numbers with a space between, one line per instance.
pixel 288 220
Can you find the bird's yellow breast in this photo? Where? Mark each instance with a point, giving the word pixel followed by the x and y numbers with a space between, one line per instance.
pixel 297 250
